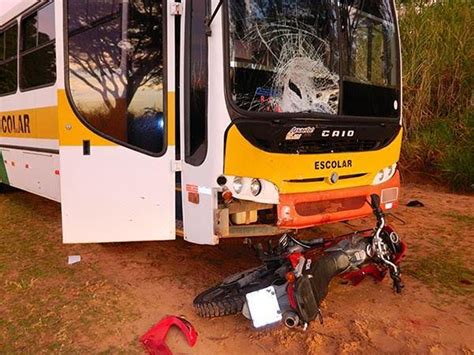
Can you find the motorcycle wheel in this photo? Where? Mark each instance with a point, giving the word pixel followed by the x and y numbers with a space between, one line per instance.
pixel 229 297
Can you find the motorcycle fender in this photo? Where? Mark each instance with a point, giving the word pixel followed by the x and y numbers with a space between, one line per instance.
pixel 308 305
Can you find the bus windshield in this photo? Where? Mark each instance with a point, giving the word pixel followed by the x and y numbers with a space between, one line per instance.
pixel 305 56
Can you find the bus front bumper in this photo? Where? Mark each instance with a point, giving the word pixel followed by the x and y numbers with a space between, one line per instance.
pixel 306 210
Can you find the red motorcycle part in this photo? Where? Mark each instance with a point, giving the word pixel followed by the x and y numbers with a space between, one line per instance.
pixel 356 277
pixel 294 259
pixel 398 258
pixel 154 339
pixel 290 289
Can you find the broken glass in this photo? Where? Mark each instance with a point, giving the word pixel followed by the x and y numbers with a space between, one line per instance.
pixel 284 55
pixel 306 56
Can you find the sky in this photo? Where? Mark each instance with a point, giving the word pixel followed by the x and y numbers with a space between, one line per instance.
pixel 6 5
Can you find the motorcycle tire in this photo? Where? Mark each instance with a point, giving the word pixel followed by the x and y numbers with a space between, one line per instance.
pixel 219 301
pixel 228 298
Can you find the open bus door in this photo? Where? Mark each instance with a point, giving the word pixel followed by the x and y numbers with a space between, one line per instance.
pixel 116 121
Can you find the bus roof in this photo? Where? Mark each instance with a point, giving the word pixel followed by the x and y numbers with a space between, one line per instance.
pixel 16 10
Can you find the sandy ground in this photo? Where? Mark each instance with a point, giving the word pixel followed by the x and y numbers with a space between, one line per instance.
pixel 118 291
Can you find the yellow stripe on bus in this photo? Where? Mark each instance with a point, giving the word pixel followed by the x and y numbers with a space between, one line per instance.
pixel 41 123
pixel 60 122
pixel 72 131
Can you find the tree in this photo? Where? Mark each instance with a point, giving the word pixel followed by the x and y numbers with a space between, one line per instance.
pixel 117 53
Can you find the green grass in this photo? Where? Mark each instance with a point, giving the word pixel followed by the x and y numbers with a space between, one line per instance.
pixel 444 149
pixel 438 57
pixel 443 272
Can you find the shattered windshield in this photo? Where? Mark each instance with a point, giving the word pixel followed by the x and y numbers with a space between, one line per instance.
pixel 295 56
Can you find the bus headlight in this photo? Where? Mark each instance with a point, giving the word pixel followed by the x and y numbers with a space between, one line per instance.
pixel 250 189
pixel 256 187
pixel 385 174
pixel 238 184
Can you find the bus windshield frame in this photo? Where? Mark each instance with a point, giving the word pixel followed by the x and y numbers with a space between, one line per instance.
pixel 342 81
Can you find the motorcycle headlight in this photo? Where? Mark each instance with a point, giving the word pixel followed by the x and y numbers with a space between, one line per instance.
pixel 385 174
pixel 256 187
pixel 238 185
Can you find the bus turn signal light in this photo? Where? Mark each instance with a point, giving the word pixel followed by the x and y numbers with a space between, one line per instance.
pixel 227 196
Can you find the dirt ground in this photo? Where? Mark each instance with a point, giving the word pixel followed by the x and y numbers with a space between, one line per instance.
pixel 118 291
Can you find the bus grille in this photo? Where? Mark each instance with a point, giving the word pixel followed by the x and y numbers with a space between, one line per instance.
pixel 332 206
pixel 328 146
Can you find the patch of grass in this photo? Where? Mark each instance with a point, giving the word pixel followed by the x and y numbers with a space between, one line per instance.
pixel 444 149
pixel 438 57
pixel 469 220
pixel 46 305
pixel 446 273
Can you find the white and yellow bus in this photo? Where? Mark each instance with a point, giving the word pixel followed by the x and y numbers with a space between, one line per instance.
pixel 207 118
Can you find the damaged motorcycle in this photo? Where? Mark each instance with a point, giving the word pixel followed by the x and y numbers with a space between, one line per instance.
pixel 294 278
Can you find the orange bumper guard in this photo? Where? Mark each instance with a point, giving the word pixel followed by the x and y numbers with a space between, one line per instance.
pixel 305 210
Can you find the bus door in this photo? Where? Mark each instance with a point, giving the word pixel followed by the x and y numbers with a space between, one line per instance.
pixel 116 121
pixel 203 120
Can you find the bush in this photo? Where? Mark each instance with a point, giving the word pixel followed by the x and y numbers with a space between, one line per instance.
pixel 438 57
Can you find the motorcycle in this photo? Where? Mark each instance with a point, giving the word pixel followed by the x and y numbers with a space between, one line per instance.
pixel 294 278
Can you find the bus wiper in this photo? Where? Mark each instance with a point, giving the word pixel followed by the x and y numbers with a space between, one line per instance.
pixel 208 21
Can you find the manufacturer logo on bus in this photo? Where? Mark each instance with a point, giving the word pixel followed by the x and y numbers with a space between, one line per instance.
pixel 297 132
pixel 337 133
pixel 334 178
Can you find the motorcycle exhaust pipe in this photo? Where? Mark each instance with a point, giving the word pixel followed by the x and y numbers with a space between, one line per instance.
pixel 291 319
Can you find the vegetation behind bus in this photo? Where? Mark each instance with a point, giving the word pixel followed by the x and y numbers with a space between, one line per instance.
pixel 438 54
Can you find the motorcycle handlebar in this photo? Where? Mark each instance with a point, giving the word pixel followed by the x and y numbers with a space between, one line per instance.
pixel 375 203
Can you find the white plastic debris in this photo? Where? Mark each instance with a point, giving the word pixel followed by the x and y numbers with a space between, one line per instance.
pixel 73 259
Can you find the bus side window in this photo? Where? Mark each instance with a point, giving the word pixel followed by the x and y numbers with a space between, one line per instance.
pixel 196 80
pixel 37 50
pixel 8 60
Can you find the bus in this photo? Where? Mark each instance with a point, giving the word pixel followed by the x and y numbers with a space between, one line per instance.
pixel 208 119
